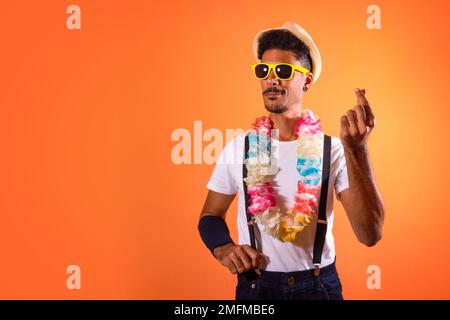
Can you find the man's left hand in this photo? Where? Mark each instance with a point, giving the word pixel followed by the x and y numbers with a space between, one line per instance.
pixel 357 124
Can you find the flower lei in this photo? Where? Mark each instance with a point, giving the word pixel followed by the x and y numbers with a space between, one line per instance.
pixel 260 173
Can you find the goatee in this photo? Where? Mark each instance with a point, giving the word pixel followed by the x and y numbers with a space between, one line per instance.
pixel 276 108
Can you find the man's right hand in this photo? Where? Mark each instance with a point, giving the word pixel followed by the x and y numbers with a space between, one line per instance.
pixel 239 258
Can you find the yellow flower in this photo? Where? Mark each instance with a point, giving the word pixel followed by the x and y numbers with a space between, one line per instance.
pixel 291 224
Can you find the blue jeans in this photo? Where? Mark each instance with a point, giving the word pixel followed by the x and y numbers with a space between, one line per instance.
pixel 298 285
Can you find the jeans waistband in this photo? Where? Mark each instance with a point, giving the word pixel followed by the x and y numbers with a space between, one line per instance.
pixel 288 277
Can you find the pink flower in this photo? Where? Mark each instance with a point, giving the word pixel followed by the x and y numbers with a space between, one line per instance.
pixel 263 122
pixel 306 198
pixel 308 124
pixel 261 197
pixel 258 205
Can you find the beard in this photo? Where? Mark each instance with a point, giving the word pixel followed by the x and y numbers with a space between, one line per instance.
pixel 276 107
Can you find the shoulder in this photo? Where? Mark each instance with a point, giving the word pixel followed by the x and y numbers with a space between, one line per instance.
pixel 336 145
pixel 235 143
pixel 233 149
pixel 337 154
pixel 335 141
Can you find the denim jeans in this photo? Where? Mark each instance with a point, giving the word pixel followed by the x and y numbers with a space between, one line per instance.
pixel 298 285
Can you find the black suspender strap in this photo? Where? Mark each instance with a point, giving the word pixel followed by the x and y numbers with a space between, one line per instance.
pixel 250 220
pixel 321 230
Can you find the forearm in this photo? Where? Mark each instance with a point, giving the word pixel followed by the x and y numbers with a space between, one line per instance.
pixel 366 209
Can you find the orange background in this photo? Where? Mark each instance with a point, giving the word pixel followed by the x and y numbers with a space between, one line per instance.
pixel 87 115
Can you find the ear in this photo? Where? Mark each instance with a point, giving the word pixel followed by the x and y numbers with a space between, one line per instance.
pixel 309 78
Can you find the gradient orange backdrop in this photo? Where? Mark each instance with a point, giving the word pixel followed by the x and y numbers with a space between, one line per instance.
pixel 87 115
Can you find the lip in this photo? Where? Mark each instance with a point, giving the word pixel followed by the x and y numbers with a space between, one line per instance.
pixel 272 94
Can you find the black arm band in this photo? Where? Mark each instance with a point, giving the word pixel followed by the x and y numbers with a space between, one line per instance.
pixel 214 232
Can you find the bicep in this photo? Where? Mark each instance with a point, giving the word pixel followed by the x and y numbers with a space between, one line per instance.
pixel 217 203
pixel 346 199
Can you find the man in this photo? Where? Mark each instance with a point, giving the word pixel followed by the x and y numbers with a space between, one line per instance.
pixel 270 266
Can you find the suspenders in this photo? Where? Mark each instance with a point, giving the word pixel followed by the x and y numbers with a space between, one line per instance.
pixel 250 220
pixel 321 230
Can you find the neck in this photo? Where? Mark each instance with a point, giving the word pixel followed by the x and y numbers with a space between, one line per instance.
pixel 286 125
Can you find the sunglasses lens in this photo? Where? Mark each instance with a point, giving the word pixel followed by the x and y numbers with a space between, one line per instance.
pixel 261 70
pixel 283 71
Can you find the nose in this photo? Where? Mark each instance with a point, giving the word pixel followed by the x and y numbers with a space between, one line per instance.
pixel 272 79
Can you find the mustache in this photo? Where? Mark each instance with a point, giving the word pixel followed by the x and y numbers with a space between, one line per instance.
pixel 273 90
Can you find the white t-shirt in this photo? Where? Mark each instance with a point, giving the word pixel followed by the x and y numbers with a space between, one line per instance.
pixel 281 256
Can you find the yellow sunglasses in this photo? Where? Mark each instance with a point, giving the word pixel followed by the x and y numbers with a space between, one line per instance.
pixel 283 71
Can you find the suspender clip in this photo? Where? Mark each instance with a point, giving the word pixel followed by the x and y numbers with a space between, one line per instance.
pixel 316 269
